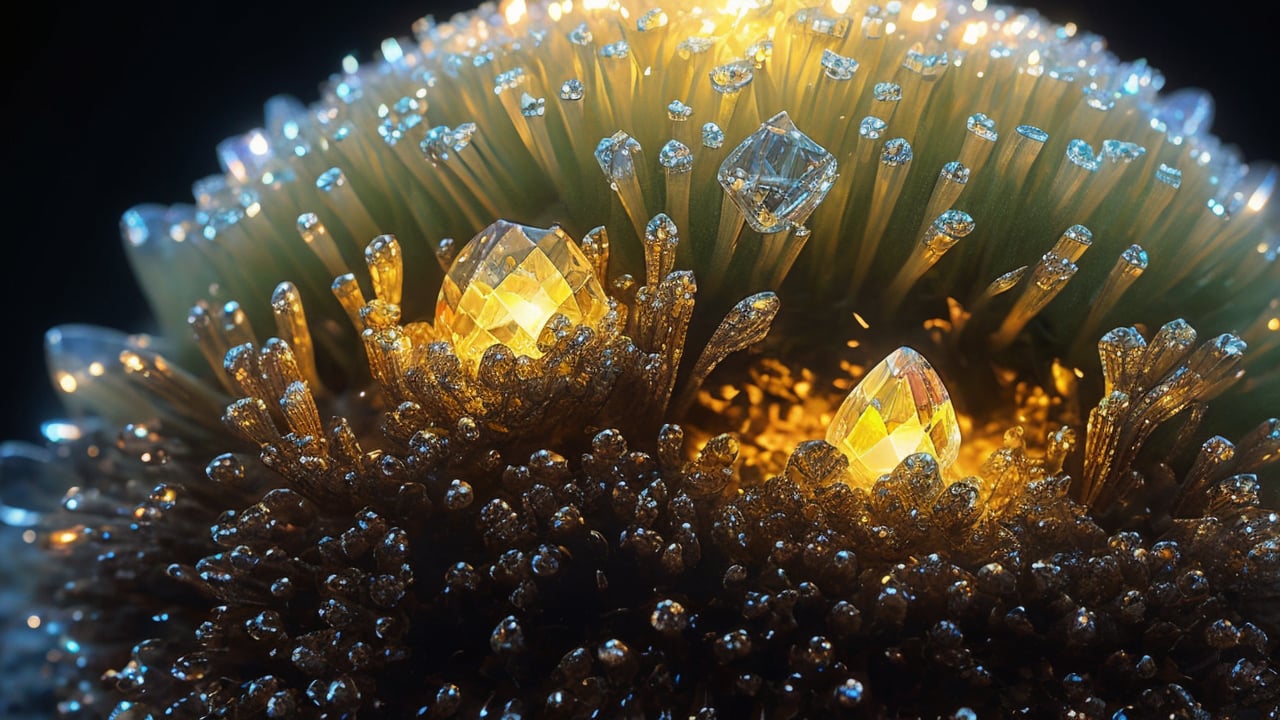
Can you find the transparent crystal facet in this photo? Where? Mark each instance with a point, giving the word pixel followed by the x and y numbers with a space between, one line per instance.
pixel 898 409
pixel 508 282
pixel 777 176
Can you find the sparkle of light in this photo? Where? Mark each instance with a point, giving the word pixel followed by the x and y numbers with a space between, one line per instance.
pixel 924 12
pixel 515 11
pixel 899 408
pixel 508 282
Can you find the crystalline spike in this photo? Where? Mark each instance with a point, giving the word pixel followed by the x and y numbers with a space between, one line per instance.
pixel 1032 132
pixel 1169 176
pixel 982 126
pixel 652 20
pixel 896 152
pixel 1081 153
pixel 871 127
pixel 676 157
pixel 898 409
pixel 924 63
pixel 886 92
pixel 507 284
pixel 572 89
pixel 1118 151
pixel 712 136
pixel 678 111
pixel 732 77
pixel 616 156
pixel 837 66
pixel 956 172
pixel 531 106
pixel 777 176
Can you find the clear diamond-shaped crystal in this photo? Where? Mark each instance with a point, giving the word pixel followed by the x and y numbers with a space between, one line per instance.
pixel 899 408
pixel 508 282
pixel 777 176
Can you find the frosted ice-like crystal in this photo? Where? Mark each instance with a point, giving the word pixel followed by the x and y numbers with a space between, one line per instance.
pixel 732 77
pixel 982 126
pixel 1081 153
pixel 676 157
pixel 837 66
pixel 678 111
pixel 871 127
pixel 777 176
pixel 886 92
pixel 572 89
pixel 896 152
pixel 616 156
pixel 712 135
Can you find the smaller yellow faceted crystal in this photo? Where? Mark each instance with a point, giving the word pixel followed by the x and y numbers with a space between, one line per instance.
pixel 508 282
pixel 898 409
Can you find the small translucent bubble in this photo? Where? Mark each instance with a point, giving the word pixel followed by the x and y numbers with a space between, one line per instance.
pixel 459 495
pixel 669 617
pixel 507 637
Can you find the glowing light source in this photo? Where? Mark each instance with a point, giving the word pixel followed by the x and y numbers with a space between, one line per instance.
pixel 514 11
pixel 924 12
pixel 507 284
pixel 898 409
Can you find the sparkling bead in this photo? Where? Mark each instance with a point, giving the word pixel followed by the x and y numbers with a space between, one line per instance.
pixel 898 409
pixel 508 282
pixel 777 176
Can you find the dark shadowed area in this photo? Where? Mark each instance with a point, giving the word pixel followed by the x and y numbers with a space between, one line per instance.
pixel 110 105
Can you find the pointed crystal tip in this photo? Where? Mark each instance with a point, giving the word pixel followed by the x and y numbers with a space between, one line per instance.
pixel 508 282
pixel 778 176
pixel 899 408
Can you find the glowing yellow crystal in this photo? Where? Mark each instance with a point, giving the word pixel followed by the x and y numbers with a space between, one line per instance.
pixel 898 409
pixel 508 282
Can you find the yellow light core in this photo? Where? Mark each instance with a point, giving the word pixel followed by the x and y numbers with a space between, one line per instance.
pixel 507 284
pixel 898 409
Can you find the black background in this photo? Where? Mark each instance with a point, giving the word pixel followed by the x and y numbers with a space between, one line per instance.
pixel 105 106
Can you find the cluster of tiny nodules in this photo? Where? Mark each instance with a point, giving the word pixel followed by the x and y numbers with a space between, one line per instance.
pixel 440 580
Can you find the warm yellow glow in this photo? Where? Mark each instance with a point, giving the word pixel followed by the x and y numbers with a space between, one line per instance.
pixel 924 12
pixel 1273 324
pixel 514 12
pixel 96 369
pixel 840 7
pixel 979 5
pixel 1033 58
pixel 67 382
pixel 63 538
pixel 973 32
pixel 33 621
pixel 1258 199
pixel 595 4
pixel 899 408
pixel 132 361
pixel 507 284
pixel 555 12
